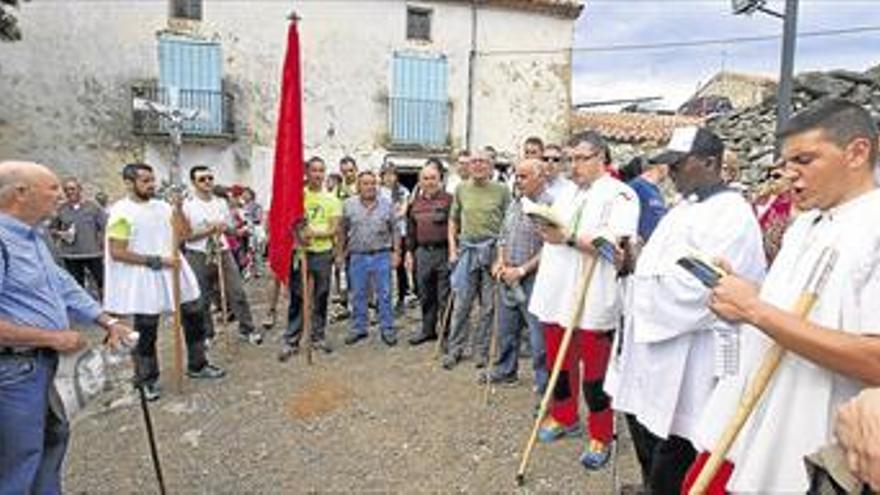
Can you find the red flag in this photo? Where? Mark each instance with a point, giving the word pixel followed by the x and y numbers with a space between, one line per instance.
pixel 287 178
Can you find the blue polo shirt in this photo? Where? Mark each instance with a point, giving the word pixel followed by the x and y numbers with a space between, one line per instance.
pixel 652 206
pixel 34 290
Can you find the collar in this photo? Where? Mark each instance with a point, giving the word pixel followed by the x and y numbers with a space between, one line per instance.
pixel 16 226
pixel 703 193
pixel 843 209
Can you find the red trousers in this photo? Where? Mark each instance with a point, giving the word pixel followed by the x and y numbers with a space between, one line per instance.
pixel 592 350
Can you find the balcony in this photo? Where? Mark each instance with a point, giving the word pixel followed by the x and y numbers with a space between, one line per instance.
pixel 418 123
pixel 215 120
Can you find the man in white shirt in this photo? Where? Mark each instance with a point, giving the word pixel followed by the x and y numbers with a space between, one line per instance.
pixel 600 206
pixel 557 183
pixel 830 152
pixel 210 219
pixel 672 347
pixel 138 263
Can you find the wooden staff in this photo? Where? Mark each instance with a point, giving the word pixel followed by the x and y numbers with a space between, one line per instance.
pixel 306 282
pixel 444 325
pixel 493 347
pixel 588 267
pixel 756 387
pixel 224 305
pixel 177 327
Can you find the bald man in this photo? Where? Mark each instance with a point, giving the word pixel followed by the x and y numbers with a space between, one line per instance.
pixel 37 301
pixel 519 249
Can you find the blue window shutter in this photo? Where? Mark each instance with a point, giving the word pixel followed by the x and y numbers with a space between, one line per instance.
pixel 419 100
pixel 195 69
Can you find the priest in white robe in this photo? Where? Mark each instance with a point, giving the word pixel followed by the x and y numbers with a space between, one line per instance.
pixel 830 153
pixel 673 349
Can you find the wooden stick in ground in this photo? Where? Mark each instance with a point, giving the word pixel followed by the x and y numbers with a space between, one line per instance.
pixel 588 267
pixel 177 327
pixel 224 305
pixel 493 346
pixel 756 387
pixel 444 326
pixel 306 304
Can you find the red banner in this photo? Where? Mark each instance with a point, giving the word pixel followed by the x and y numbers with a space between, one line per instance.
pixel 287 180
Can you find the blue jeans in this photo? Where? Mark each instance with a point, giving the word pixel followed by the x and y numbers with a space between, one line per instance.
pixel 375 268
pixel 511 320
pixel 33 439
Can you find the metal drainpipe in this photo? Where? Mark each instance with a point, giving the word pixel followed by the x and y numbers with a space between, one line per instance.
pixel 472 58
pixel 786 76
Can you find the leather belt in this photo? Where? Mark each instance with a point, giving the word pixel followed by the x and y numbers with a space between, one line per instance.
pixel 18 351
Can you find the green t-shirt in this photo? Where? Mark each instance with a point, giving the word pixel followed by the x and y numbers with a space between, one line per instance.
pixel 479 210
pixel 321 208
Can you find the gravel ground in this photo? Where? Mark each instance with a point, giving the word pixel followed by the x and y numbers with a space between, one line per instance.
pixel 366 418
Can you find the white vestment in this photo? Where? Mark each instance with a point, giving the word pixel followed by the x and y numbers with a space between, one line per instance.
pixel 795 416
pixel 668 361
pixel 138 289
pixel 608 208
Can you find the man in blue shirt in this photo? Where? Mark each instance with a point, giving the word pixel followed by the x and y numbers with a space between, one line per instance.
pixel 652 206
pixel 37 300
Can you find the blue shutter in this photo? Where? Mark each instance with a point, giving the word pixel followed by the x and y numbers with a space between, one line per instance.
pixel 419 109
pixel 195 69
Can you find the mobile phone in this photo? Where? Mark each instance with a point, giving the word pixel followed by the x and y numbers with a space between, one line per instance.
pixel 704 271
pixel 605 248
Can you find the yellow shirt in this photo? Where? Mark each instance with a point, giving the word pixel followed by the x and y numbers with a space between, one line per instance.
pixel 321 208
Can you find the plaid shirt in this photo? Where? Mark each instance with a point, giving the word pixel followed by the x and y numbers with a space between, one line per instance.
pixel 519 235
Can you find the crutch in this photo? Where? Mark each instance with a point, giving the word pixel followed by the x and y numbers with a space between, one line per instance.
pixel 587 269
pixel 772 358
pixel 151 438
pixel 493 346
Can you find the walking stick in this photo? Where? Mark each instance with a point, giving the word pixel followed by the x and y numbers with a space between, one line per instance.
pixel 175 298
pixel 444 325
pixel 589 265
pixel 151 438
pixel 772 358
pixel 224 305
pixel 306 304
pixel 493 346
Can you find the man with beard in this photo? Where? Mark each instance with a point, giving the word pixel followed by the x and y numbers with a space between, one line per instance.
pixel 830 154
pixel 140 261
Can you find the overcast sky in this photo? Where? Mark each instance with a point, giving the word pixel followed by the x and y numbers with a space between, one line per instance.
pixel 674 73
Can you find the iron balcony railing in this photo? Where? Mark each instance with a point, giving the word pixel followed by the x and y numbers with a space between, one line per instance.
pixel 215 118
pixel 419 123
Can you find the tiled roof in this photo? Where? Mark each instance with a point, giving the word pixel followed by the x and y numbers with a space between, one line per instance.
pixel 563 8
pixel 631 127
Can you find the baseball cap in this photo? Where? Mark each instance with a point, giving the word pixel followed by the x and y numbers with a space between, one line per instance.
pixel 691 140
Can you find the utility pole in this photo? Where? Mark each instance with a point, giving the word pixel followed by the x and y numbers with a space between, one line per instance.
pixel 786 68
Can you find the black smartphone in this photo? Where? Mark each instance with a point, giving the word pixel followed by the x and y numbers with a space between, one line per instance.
pixel 705 272
pixel 605 248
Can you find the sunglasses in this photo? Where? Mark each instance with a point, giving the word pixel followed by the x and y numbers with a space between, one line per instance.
pixel 553 159
pixel 205 178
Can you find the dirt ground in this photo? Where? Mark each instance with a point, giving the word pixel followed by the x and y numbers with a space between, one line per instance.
pixel 366 418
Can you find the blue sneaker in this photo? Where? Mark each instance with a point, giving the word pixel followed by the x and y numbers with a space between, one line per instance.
pixel 596 455
pixel 553 430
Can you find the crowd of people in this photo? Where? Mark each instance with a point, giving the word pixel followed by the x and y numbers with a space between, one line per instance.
pixel 565 244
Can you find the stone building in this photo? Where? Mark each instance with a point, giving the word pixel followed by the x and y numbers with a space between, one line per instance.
pixel 382 80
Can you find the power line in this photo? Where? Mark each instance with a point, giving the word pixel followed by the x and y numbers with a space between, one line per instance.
pixel 683 44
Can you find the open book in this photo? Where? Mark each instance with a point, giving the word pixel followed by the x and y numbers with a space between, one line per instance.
pixel 541 213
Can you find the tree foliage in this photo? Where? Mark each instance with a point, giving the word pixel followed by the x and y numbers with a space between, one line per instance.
pixel 9 30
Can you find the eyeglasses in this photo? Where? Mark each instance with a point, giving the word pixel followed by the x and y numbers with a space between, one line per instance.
pixel 205 178
pixel 585 158
pixel 553 159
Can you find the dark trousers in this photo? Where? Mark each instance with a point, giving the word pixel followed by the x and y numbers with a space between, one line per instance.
pixel 78 268
pixel 432 280
pixel 664 462
pixel 320 268
pixel 146 363
pixel 33 439
pixel 209 282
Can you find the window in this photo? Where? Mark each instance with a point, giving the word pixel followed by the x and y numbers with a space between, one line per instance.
pixel 418 24
pixel 419 103
pixel 191 76
pixel 186 9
